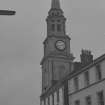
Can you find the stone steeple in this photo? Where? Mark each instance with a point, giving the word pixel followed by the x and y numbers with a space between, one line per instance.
pixel 57 59
pixel 56 20
pixel 55 4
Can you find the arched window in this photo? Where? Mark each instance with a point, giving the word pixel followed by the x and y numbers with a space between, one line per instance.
pixel 53 27
pixel 52 13
pixel 58 20
pixel 59 27
pixel 57 13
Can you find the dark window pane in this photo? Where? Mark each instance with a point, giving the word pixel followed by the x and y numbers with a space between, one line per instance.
pixel 58 27
pixel 88 100
pixel 58 96
pixel 53 27
pixel 52 101
pixel 100 98
pixel 48 100
pixel 98 72
pixel 76 83
pixel 86 78
pixel 58 20
pixel 52 14
pixel 77 102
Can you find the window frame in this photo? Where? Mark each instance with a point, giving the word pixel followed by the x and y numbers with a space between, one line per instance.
pixel 86 78
pixel 98 72
pixel 52 27
pixel 77 102
pixel 88 100
pixel 76 83
pixel 59 28
pixel 100 100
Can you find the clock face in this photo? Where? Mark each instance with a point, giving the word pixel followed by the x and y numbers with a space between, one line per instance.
pixel 60 45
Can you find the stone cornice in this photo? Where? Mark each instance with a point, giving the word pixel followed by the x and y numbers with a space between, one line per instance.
pixel 65 37
pixel 60 56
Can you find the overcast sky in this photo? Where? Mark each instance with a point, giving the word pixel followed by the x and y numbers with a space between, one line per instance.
pixel 21 47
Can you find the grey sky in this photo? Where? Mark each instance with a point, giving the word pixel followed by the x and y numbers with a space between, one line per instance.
pixel 21 38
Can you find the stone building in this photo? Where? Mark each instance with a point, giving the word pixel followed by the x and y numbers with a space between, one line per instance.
pixel 65 82
pixel 87 85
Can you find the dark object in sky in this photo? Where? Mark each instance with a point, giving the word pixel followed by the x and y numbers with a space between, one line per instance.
pixel 7 12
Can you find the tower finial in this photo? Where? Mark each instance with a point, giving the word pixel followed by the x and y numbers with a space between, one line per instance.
pixel 55 4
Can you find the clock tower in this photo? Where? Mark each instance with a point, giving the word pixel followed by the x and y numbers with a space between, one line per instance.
pixel 57 60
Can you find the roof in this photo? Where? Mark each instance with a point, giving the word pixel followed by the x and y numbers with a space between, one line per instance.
pixel 55 4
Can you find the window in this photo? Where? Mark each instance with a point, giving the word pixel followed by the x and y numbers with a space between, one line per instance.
pixel 88 100
pixel 45 70
pixel 53 27
pixel 52 20
pixel 52 99
pixel 86 78
pixel 52 14
pixel 58 27
pixel 77 102
pixel 100 97
pixel 48 100
pixel 98 72
pixel 58 96
pixel 57 13
pixel 76 85
pixel 58 20
pixel 44 101
pixel 45 88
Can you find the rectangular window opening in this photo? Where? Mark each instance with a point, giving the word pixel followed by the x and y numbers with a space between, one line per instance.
pixel 86 75
pixel 53 27
pixel 100 97
pixel 76 83
pixel 98 72
pixel 58 96
pixel 88 100
pixel 77 102
pixel 59 27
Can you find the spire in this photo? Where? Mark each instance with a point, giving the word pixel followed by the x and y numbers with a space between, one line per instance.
pixel 55 4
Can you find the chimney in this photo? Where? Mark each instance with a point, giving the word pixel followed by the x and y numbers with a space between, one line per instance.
pixel 86 57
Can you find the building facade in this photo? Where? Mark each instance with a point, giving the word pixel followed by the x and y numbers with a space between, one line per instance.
pixel 87 86
pixel 65 82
